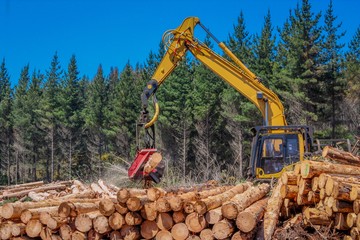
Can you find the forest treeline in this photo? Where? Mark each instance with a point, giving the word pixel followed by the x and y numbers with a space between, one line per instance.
pixel 55 124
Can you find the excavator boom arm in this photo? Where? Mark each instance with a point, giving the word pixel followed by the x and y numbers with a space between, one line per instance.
pixel 181 40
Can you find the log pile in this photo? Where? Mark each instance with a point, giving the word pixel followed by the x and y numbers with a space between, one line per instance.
pixel 318 194
pixel 212 212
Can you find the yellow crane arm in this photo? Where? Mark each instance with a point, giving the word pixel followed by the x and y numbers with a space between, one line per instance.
pixel 181 40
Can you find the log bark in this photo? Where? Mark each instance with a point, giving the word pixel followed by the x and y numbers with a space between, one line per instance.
pixel 179 231
pixel 71 209
pixel 271 215
pixel 148 229
pixel 289 191
pixel 101 224
pixel 223 229
pixel 316 217
pixel 34 213
pixel 204 205
pixel 247 220
pixel 239 202
pixel 310 169
pixel 340 156
pixel 340 222
pixel 340 206
pixel 38 189
pixel 195 222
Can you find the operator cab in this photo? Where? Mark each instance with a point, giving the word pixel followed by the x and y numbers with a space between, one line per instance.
pixel 277 149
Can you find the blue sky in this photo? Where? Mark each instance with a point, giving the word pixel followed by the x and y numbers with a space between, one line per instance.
pixel 111 33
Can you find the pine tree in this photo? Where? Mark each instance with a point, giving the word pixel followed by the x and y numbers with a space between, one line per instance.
pixel 94 116
pixel 6 138
pixel 50 108
pixel 352 77
pixel 71 106
pixel 22 122
pixel 334 85
pixel 241 115
pixel 35 136
pixel 211 140
pixel 299 50
pixel 264 52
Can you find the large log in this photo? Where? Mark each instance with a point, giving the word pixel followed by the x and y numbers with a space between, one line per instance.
pixel 176 202
pixel 33 228
pixel 34 213
pixel 115 235
pixel 310 169
pixel 195 222
pixel 125 193
pixel 101 224
pixel 340 222
pixel 31 185
pixel 38 189
pixel 351 219
pixel 116 220
pixel 289 191
pixel 106 207
pixel 83 223
pixel 204 205
pixel 76 235
pixel 271 215
pixel 223 229
pixel 130 232
pixel 213 216
pixel 155 193
pixel 18 229
pixel 162 205
pixel 164 221
pixel 179 231
pixel 133 218
pixel 239 202
pixel 121 208
pixel 150 211
pixel 289 178
pixel 316 217
pixel 340 156
pixel 206 234
pixel 71 209
pixel 163 235
pixel 247 220
pixel 65 232
pixel 6 231
pixel 148 229
pixel 136 203
pixel 178 217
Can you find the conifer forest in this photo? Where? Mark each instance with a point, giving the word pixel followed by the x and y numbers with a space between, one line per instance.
pixel 56 124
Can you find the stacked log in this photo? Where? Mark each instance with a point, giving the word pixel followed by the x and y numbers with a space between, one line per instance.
pixel 140 214
pixel 325 193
